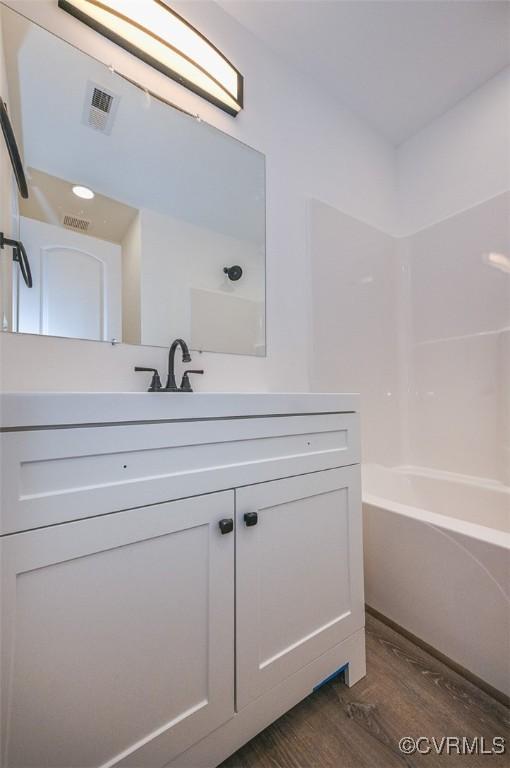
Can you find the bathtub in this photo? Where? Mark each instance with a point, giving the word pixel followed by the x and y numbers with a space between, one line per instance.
pixel 437 562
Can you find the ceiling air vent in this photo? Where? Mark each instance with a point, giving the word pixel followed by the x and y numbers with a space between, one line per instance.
pixel 74 222
pixel 101 100
pixel 100 108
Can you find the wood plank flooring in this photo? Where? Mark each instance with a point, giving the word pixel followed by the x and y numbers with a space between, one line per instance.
pixel 407 692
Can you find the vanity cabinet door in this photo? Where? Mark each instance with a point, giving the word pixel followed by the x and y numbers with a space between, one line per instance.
pixel 118 636
pixel 298 574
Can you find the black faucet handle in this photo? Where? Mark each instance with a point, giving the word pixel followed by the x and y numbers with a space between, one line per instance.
pixel 155 385
pixel 185 384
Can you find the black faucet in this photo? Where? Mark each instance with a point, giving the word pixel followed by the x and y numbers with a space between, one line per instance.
pixel 171 384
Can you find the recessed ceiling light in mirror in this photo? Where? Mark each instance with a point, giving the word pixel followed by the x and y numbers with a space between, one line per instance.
pixel 84 192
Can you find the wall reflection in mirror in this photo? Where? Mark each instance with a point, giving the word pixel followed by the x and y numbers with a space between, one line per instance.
pixel 136 213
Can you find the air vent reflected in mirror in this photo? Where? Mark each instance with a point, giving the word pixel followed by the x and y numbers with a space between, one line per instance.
pixel 99 108
pixel 101 100
pixel 74 222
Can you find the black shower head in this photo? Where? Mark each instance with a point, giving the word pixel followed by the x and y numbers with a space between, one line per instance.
pixel 234 273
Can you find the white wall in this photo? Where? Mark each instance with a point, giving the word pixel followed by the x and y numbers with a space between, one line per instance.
pixel 459 160
pixel 179 256
pixel 420 324
pixel 453 176
pixel 459 309
pixel 453 181
pixel 355 318
pixel 314 149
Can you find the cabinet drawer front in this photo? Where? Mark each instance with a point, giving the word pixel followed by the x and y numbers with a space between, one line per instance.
pixel 53 476
pixel 118 636
pixel 299 574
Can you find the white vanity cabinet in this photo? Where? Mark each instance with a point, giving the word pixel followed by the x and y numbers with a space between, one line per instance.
pixel 299 574
pixel 121 635
pixel 172 584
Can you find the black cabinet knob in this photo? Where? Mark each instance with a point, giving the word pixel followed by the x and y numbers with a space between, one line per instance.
pixel 251 518
pixel 226 525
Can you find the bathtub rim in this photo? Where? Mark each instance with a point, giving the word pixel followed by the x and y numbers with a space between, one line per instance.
pixel 457 478
pixel 493 536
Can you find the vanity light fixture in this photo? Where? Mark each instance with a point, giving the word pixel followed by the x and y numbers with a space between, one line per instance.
pixel 84 192
pixel 157 35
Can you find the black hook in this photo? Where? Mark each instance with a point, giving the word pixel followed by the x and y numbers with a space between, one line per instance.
pixel 20 256
pixel 12 148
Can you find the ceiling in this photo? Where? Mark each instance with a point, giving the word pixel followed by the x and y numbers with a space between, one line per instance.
pixel 397 64
pixel 51 199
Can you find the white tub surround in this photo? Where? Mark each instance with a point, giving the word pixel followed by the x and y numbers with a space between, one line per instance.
pixel 437 562
pixel 178 571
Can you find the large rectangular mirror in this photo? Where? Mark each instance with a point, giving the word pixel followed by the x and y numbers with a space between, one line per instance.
pixel 168 206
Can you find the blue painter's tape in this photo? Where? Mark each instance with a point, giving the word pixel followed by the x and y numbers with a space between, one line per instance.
pixel 330 677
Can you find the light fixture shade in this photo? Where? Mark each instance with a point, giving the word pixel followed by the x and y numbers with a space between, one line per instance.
pixel 153 32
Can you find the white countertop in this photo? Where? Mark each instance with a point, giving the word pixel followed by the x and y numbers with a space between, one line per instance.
pixel 40 409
